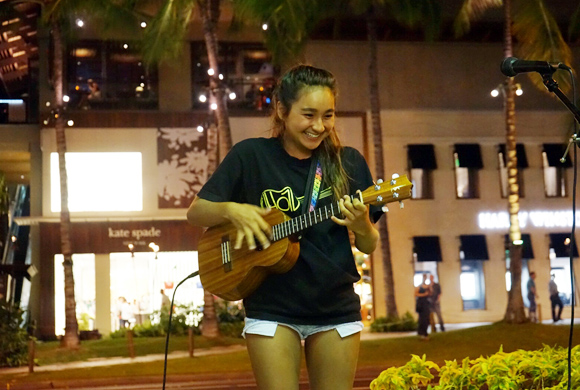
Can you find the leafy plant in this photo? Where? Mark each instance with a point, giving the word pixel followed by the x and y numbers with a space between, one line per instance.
pixel 13 336
pixel 394 324
pixel 542 369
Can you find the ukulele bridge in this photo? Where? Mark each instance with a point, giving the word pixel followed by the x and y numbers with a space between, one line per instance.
pixel 226 255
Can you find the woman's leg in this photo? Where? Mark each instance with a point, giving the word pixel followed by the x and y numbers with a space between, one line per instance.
pixel 276 360
pixel 331 360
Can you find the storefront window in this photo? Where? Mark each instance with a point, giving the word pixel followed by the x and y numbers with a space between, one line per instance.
pixel 139 278
pixel 467 163
pixel 245 71
pixel 109 75
pixel 364 286
pixel 85 293
pixel 472 284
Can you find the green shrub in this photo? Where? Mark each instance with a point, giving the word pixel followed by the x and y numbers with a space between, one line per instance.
pixel 405 323
pixel 13 336
pixel 180 324
pixel 230 318
pixel 542 369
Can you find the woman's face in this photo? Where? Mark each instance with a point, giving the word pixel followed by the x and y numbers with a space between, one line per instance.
pixel 310 120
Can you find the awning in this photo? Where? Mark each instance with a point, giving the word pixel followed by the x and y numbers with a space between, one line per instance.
pixel 520 154
pixel 468 156
pixel 560 242
pixel 421 156
pixel 527 251
pixel 554 152
pixel 427 248
pixel 473 247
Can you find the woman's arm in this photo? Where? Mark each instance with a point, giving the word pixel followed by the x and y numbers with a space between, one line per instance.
pixel 246 218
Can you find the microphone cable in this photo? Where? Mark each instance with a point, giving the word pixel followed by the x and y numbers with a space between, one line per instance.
pixel 169 325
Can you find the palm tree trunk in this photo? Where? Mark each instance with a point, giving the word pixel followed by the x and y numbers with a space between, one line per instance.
pixel 515 312
pixel 210 10
pixel 71 338
pixel 210 327
pixel 389 280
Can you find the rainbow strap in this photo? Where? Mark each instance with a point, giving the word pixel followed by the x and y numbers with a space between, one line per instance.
pixel 316 186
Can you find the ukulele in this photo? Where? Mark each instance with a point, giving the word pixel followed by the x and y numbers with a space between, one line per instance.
pixel 233 274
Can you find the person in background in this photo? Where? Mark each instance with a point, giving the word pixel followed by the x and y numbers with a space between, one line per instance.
pixel 555 299
pixel 314 301
pixel 435 305
pixel 532 295
pixel 165 302
pixel 422 307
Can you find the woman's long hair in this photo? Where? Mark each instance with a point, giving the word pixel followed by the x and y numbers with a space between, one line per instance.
pixel 287 92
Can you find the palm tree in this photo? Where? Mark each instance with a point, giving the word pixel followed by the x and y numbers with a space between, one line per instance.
pixel 163 40
pixel 540 39
pixel 56 16
pixel 289 25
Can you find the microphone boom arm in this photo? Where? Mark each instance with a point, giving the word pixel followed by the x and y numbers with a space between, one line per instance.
pixel 553 87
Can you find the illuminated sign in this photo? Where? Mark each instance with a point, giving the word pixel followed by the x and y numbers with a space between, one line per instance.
pixel 537 219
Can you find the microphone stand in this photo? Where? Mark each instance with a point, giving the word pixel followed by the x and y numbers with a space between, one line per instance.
pixel 553 87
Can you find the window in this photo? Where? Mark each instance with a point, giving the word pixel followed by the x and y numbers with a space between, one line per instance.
pixel 99 182
pixel 473 251
pixel 426 255
pixel 245 69
pixel 503 171
pixel 109 75
pixel 467 162
pixel 421 161
pixel 555 170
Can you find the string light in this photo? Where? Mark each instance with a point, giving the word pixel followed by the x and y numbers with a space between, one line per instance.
pixel 80 22
pixel 200 129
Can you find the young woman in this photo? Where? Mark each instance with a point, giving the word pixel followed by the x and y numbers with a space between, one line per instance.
pixel 314 301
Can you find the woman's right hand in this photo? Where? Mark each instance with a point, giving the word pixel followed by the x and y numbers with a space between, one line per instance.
pixel 248 220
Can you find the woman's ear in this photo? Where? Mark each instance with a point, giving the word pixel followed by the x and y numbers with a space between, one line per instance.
pixel 280 110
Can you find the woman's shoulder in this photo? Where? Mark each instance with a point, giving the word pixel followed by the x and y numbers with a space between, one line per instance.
pixel 251 144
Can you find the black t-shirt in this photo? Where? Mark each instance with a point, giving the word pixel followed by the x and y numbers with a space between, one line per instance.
pixel 319 289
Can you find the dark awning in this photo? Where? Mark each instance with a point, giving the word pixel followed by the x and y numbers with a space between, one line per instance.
pixel 421 156
pixel 427 248
pixel 520 154
pixel 473 247
pixel 527 250
pixel 554 152
pixel 468 156
pixel 561 244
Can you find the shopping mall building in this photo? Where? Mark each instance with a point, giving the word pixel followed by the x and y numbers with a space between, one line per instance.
pixel 137 156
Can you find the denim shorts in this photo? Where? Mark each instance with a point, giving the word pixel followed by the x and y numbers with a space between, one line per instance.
pixel 268 328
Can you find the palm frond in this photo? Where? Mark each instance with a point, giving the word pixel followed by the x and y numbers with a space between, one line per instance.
pixel 574 27
pixel 164 35
pixel 425 14
pixel 290 22
pixel 471 11
pixel 539 38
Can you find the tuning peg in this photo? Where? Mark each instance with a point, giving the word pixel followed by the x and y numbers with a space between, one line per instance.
pixel 379 198
pixel 393 178
pixel 385 209
pixel 401 205
pixel 379 181
pixel 395 194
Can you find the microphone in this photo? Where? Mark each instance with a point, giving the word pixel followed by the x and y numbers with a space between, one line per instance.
pixel 511 66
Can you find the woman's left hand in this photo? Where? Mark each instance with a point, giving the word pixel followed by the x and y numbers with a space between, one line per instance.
pixel 355 215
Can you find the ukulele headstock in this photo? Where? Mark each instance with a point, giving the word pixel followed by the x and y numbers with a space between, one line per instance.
pixel 397 189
